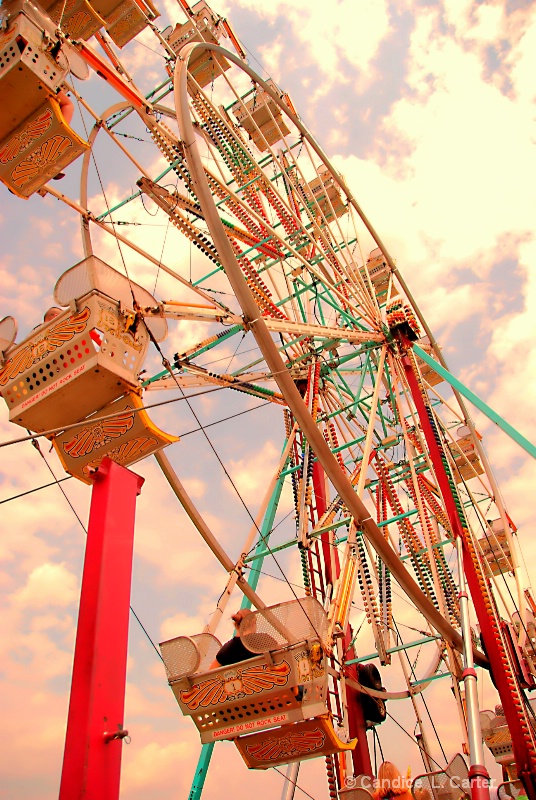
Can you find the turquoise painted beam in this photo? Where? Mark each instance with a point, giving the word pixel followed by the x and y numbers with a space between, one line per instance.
pixel 201 771
pixel 435 677
pixel 476 401
pixel 263 549
pixel 133 196
pixel 396 649
pixel 342 539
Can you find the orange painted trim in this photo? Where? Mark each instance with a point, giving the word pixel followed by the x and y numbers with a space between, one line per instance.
pixel 186 8
pixel 189 305
pixel 233 37
pixel 105 71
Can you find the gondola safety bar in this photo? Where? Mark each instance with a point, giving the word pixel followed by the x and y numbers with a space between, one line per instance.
pixel 196 311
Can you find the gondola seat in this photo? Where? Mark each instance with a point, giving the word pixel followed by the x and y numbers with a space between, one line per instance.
pixel 81 19
pixel 451 783
pixel 88 356
pixel 261 117
pixel 36 143
pixel 282 690
pixel 126 437
pixel 324 196
pixel 204 66
pixel 77 18
pixel 465 456
pixel 126 19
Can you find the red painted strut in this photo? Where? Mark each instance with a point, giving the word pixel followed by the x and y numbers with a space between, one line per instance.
pixel 93 743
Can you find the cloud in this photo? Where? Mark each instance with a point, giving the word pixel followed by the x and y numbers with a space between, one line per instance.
pixel 181 624
pixel 327 39
pixel 249 474
pixel 162 526
pixel 196 488
pixel 47 585
pixel 153 767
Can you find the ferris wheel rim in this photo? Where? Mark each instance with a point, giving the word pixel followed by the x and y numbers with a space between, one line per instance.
pixel 254 320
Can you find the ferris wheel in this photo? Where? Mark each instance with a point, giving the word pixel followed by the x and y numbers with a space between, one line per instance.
pixel 284 298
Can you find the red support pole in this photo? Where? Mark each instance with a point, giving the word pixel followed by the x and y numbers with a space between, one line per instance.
pixel 93 743
pixel 506 683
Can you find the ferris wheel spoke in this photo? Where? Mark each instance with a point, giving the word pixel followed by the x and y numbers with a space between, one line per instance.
pixel 253 207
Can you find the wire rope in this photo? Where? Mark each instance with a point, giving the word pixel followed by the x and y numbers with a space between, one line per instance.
pixel 167 366
pixel 36 489
pixel 412 668
pixel 56 481
pixel 294 783
pixel 37 447
pixel 376 735
pixel 146 407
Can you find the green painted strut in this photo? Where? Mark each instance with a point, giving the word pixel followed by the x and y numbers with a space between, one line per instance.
pixel 342 539
pixel 201 771
pixel 476 401
pixel 417 643
pixel 263 549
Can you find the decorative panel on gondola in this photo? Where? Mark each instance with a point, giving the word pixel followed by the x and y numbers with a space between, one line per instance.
pixel 77 18
pixel 70 366
pixel 204 66
pixel 281 687
pixel 122 431
pixel 85 357
pixel 36 143
pixel 298 742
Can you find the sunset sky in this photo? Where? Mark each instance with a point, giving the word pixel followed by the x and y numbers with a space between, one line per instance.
pixel 427 109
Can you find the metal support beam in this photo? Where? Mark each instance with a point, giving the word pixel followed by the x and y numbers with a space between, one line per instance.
pixel 93 744
pixel 202 527
pixel 476 401
pixel 356 721
pixel 506 681
pixel 203 763
pixel 291 778
pixel 478 773
pixel 371 656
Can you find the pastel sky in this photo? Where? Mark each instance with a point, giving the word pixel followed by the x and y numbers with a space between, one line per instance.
pixel 427 109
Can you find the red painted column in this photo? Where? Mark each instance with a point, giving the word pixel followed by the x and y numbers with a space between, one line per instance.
pixel 93 744
pixel 478 774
